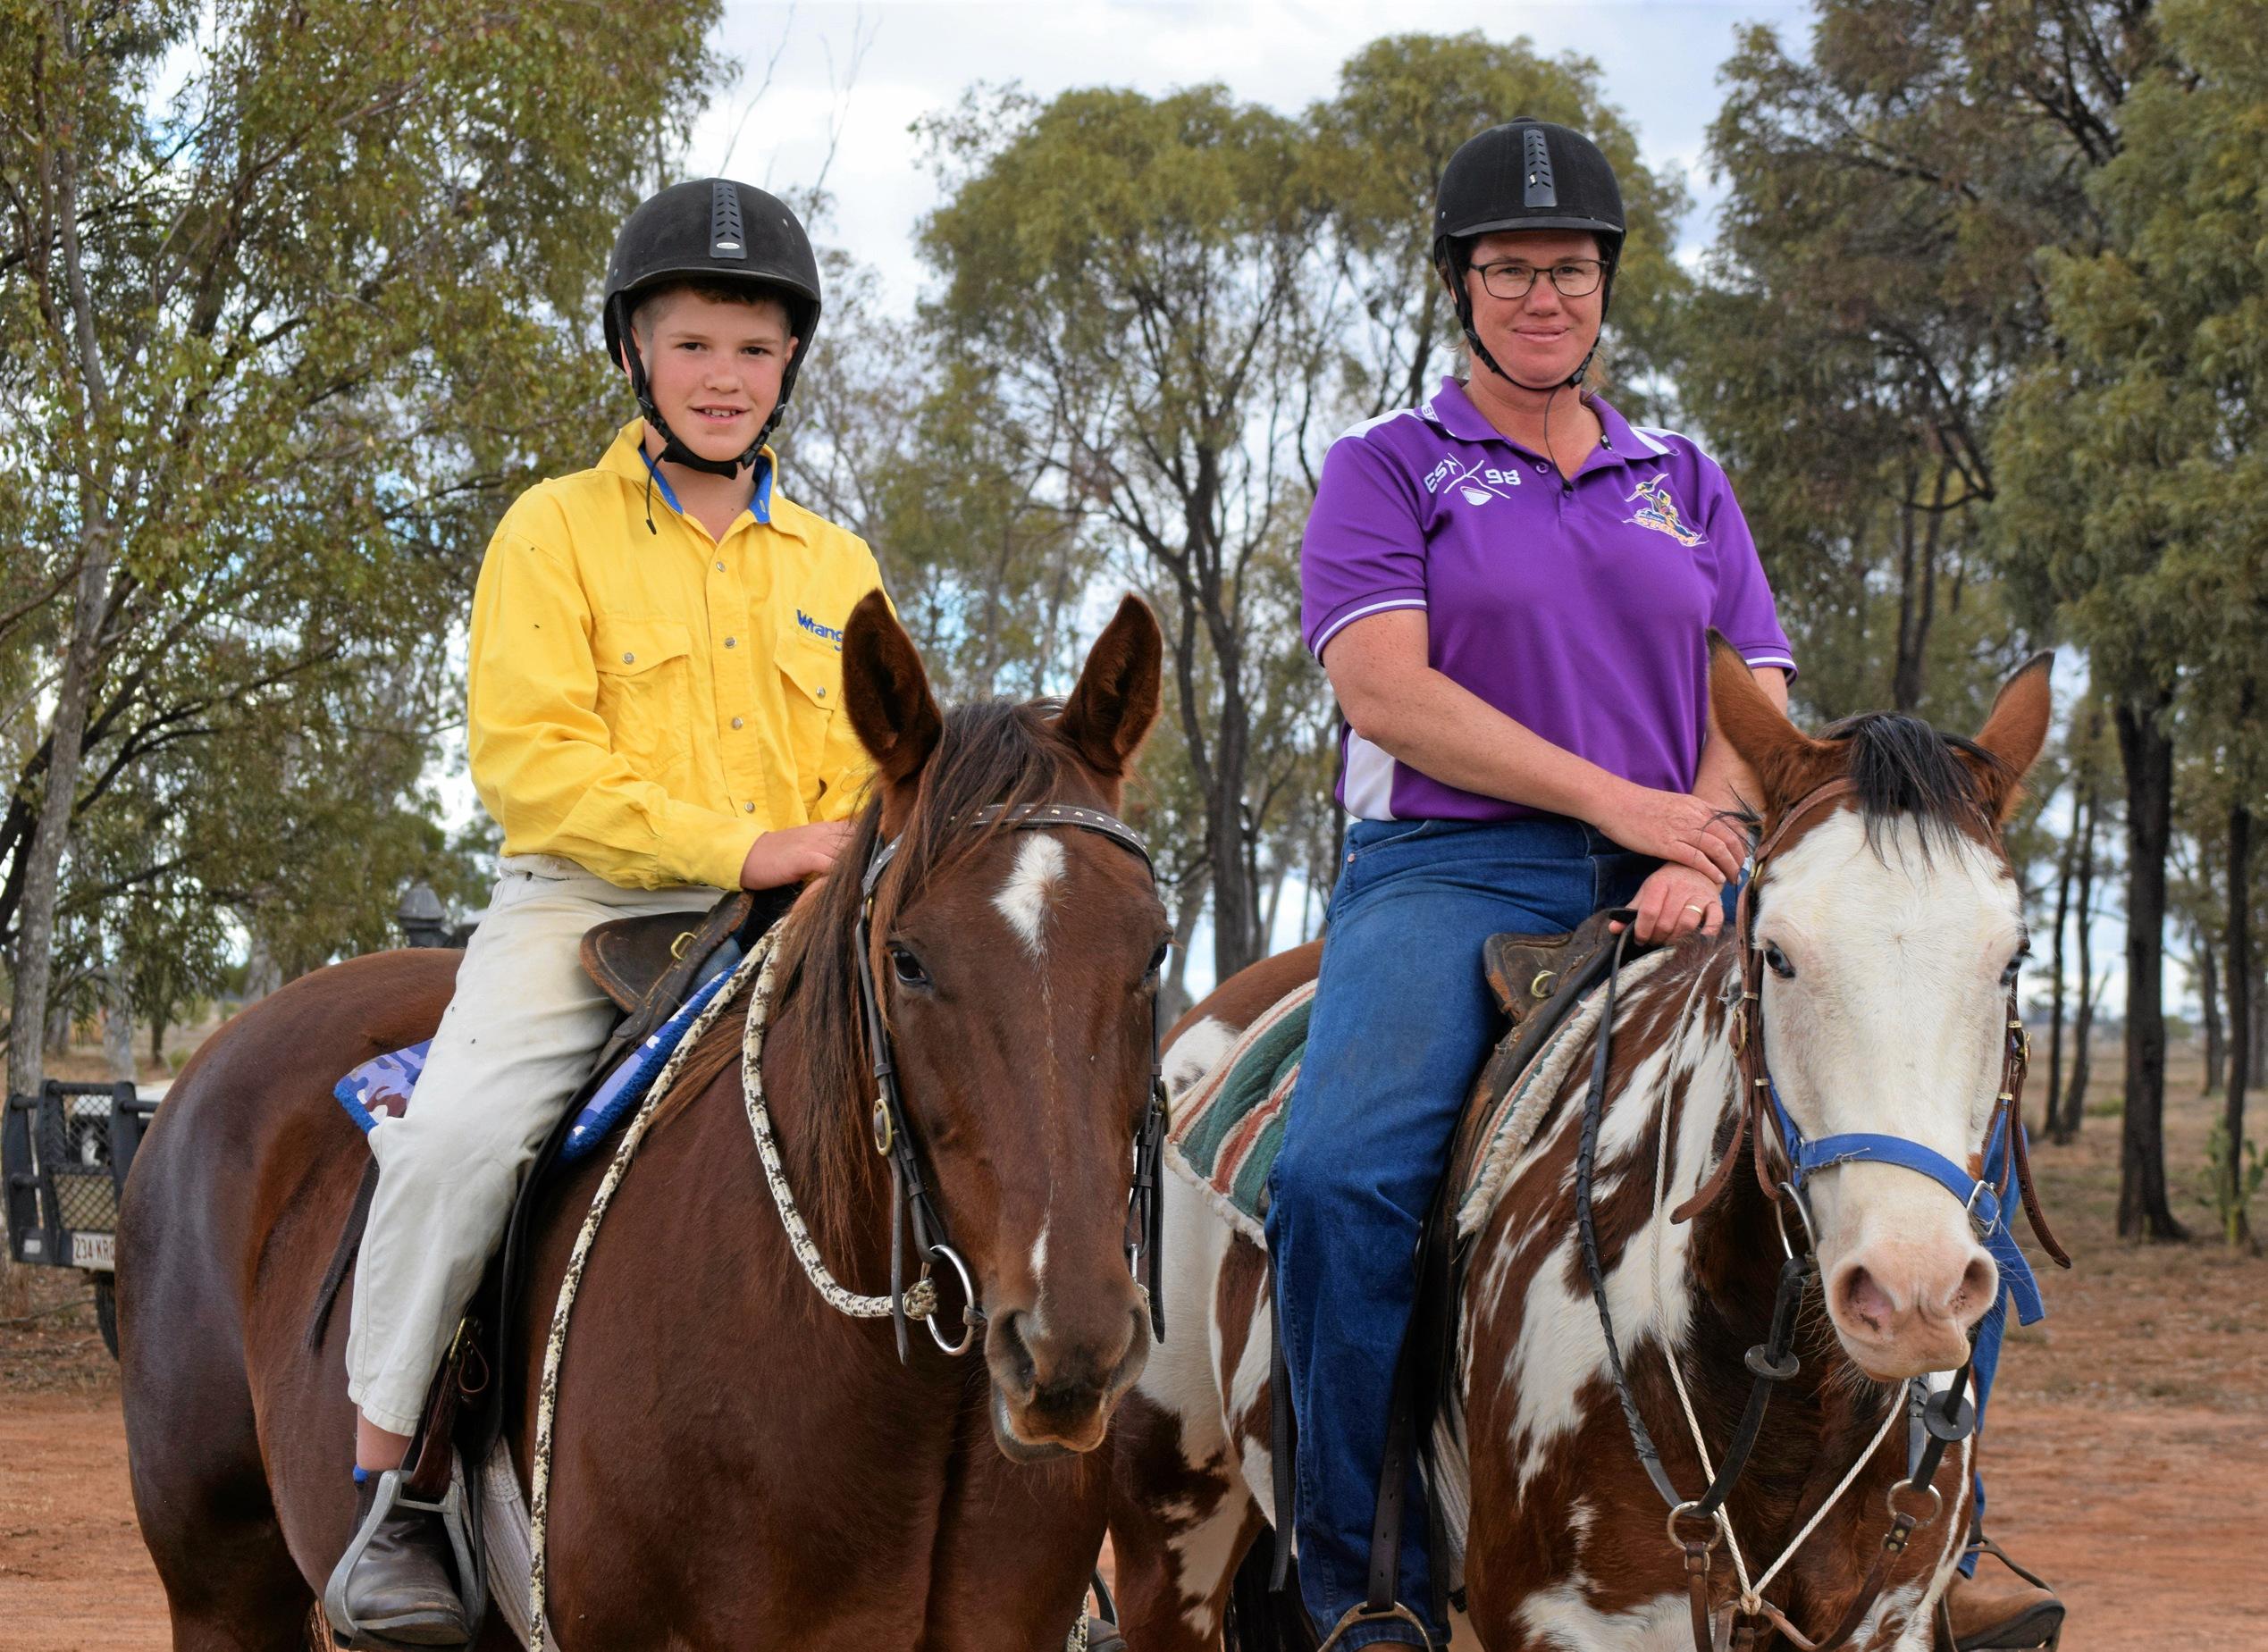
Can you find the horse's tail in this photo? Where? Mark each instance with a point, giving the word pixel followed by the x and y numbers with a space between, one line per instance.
pixel 1259 1619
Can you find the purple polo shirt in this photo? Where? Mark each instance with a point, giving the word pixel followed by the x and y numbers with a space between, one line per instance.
pixel 1578 609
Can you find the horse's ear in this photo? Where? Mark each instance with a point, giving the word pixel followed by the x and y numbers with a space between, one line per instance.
pixel 1786 761
pixel 2014 732
pixel 887 693
pixel 1117 697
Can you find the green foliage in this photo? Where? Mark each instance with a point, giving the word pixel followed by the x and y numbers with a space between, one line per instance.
pixel 331 306
pixel 2230 1190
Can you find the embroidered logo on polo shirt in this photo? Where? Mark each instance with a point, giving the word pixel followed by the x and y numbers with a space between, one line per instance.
pixel 1658 509
pixel 1478 483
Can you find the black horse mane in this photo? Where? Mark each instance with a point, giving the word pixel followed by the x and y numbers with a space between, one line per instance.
pixel 1903 769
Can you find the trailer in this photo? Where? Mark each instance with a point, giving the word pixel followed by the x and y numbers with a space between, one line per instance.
pixel 64 1154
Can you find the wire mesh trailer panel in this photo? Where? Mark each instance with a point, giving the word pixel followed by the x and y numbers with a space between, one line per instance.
pixel 65 1152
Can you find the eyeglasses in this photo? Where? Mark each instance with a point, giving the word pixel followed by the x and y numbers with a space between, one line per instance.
pixel 1571 278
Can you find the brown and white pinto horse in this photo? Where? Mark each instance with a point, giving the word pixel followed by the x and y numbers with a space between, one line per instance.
pixel 1893 925
pixel 736 1464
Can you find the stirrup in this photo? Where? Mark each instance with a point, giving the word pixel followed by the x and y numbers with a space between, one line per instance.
pixel 457 1520
pixel 1362 1613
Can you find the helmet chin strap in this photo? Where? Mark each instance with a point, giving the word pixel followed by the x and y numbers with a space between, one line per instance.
pixel 1455 280
pixel 673 449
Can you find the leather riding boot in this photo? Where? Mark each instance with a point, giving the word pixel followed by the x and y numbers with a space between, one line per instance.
pixel 400 1592
pixel 2002 1611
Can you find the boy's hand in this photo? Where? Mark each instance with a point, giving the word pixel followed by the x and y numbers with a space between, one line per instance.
pixel 793 854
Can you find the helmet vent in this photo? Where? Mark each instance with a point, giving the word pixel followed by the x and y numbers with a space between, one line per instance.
pixel 726 238
pixel 1535 166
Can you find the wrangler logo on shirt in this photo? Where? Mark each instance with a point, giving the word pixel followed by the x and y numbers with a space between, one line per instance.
pixel 1658 509
pixel 827 633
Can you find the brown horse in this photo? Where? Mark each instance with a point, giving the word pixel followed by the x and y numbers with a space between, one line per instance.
pixel 1887 930
pixel 736 1464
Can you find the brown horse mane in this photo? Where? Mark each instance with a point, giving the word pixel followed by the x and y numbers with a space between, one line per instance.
pixel 992 752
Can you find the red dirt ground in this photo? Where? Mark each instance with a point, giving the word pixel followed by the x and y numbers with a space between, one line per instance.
pixel 2127 1456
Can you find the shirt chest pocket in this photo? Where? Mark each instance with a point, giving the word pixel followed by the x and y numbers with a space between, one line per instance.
pixel 811 681
pixel 646 693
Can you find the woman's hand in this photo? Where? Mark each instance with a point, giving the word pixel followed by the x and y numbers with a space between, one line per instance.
pixel 793 854
pixel 1675 828
pixel 1676 901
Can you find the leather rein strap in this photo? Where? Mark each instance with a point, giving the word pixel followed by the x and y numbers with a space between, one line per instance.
pixel 912 1203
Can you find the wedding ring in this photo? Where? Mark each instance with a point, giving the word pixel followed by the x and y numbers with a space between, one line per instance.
pixel 1702 910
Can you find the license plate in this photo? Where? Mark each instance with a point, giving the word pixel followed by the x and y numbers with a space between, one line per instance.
pixel 94 1250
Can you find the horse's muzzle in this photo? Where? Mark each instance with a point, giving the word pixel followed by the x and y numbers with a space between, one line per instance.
pixel 1055 1396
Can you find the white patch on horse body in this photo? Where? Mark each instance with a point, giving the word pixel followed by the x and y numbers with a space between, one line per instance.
pixel 1039 1263
pixel 1563 1616
pixel 1182 1379
pixel 1023 899
pixel 1560 1349
pixel 1196 1052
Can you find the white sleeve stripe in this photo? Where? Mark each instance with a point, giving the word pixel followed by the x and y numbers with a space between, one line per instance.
pixel 1770 659
pixel 1345 620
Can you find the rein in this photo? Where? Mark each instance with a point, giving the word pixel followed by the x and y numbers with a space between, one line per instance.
pixel 1698 1525
pixel 893 1139
pixel 912 1205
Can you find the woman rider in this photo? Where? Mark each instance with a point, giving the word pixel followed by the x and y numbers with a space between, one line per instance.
pixel 1509 587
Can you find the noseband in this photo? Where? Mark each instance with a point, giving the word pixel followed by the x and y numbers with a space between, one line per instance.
pixel 911 1201
pixel 1698 1525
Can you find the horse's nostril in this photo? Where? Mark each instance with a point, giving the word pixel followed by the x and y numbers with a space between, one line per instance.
pixel 1862 1299
pixel 1979 1281
pixel 1013 1362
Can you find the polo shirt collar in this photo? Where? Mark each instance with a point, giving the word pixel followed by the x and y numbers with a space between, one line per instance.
pixel 1451 408
pixel 627 458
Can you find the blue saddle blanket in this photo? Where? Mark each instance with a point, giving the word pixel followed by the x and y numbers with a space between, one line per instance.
pixel 382 1087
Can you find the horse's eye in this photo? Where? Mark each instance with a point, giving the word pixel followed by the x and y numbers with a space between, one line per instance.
pixel 1158 960
pixel 1778 961
pixel 2015 966
pixel 908 967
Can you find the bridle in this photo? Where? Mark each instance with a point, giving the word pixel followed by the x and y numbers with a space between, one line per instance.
pixel 912 1202
pixel 1697 1525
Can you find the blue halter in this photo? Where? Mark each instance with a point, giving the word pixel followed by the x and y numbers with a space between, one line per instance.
pixel 1978 1195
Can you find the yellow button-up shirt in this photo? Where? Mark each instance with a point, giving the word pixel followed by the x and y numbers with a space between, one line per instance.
pixel 646 704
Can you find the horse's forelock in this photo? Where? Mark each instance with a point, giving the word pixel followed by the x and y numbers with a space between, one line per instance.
pixel 993 752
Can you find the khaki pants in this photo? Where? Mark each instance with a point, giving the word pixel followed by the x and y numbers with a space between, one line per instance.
pixel 517 1040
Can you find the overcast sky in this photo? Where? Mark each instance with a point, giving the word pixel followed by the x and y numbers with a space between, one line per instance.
pixel 915 56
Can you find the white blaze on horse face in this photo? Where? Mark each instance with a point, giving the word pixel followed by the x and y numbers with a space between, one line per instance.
pixel 1023 899
pixel 1893 1023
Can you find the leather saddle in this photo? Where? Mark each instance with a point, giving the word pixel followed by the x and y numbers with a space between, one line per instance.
pixel 647 966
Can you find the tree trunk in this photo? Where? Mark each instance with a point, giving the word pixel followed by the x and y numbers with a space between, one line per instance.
pixel 2238 1231
pixel 158 1023
pixel 2074 1100
pixel 2064 866
pixel 2209 997
pixel 97 551
pixel 2146 751
pixel 1186 913
pixel 118 1017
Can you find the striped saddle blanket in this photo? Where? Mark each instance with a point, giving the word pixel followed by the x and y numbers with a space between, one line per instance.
pixel 1227 1126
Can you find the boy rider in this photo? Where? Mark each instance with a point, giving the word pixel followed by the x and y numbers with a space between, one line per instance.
pixel 654 676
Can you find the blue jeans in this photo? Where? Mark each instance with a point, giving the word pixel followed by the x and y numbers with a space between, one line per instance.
pixel 1402 1021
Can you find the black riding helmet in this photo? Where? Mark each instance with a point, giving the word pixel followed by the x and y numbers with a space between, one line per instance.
pixel 713 229
pixel 1526 174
